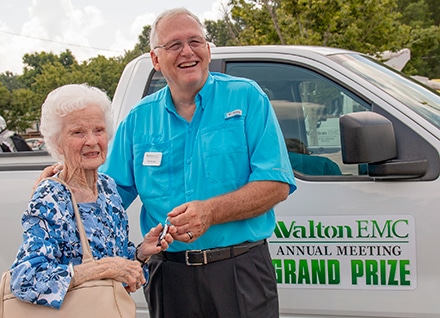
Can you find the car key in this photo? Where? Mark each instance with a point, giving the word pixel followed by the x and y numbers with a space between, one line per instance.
pixel 163 232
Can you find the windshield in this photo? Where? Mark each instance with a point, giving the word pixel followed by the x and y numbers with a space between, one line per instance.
pixel 408 91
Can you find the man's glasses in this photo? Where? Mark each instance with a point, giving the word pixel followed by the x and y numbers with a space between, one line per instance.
pixel 176 46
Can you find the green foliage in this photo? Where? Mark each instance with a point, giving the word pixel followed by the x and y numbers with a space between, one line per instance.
pixel 415 13
pixel 11 81
pixel 21 100
pixel 220 33
pixel 434 10
pixel 368 26
pixel 423 18
pixel 364 26
pixel 143 46
pixel 103 73
pixel 23 110
pixel 34 64
pixel 253 23
pixel 51 76
pixel 5 99
pixel 425 52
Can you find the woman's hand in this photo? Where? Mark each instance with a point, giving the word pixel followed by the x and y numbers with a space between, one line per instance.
pixel 151 246
pixel 123 270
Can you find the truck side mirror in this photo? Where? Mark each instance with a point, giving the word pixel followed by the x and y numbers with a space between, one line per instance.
pixel 366 137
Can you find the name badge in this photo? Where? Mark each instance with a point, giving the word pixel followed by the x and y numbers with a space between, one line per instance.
pixel 152 159
pixel 234 113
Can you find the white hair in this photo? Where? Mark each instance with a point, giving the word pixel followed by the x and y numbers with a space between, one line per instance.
pixel 154 38
pixel 65 100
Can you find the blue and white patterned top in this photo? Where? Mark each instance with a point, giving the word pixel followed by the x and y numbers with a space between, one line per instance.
pixel 41 273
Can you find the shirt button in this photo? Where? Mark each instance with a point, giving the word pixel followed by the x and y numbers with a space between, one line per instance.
pixel 188 161
pixel 190 130
pixel 188 193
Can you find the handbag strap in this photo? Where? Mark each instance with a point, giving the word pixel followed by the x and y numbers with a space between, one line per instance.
pixel 87 253
pixel 2 290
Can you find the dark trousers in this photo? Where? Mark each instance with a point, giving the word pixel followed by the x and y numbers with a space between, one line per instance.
pixel 239 287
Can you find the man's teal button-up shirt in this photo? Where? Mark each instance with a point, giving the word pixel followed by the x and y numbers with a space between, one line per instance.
pixel 233 138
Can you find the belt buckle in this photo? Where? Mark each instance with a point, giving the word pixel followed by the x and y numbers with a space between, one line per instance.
pixel 205 259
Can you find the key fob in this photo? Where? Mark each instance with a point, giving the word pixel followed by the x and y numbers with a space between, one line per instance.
pixel 163 233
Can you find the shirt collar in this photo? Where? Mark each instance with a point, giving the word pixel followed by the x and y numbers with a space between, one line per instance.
pixel 201 98
pixel 206 92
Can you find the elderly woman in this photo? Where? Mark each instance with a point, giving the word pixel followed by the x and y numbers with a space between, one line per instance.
pixel 76 124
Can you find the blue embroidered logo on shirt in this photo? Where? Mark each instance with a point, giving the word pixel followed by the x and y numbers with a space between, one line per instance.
pixel 234 113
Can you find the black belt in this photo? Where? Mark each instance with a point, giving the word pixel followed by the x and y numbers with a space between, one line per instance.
pixel 203 257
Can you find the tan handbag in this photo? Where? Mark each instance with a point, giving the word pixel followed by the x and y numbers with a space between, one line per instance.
pixel 98 298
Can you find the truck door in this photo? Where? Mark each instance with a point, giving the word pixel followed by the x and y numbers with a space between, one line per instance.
pixel 345 241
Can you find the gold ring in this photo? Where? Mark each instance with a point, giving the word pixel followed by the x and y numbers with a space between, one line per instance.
pixel 190 235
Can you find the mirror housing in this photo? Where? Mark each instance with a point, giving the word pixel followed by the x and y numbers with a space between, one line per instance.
pixel 368 137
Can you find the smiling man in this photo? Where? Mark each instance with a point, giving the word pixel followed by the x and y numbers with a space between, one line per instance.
pixel 207 154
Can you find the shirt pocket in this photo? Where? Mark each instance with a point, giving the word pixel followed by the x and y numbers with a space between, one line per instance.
pixel 153 177
pixel 225 153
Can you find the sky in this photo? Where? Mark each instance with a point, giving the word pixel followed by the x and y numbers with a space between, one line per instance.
pixel 87 28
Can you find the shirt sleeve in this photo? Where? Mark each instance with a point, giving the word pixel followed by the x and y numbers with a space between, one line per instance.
pixel 119 164
pixel 37 275
pixel 267 150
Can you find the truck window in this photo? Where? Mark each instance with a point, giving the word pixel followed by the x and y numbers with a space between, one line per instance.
pixel 155 83
pixel 308 106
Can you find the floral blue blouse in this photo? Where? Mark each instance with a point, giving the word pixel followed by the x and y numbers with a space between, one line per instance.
pixel 42 272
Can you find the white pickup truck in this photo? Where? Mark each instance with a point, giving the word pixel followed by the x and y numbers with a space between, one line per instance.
pixel 358 238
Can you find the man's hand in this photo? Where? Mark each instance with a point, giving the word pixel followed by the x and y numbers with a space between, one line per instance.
pixel 48 172
pixel 191 219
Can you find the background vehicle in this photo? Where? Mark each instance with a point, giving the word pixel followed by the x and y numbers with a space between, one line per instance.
pixel 36 143
pixel 359 242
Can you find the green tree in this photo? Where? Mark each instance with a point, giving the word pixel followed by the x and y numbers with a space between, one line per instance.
pixel 5 100
pixel 101 72
pixel 422 16
pixel 370 26
pixel 10 80
pixel 54 72
pixel 35 62
pixel 425 52
pixel 365 26
pixel 51 76
pixel 141 47
pixel 415 13
pixel 434 8
pixel 220 32
pixel 23 111
pixel 253 22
